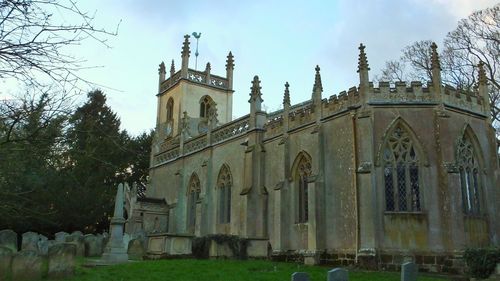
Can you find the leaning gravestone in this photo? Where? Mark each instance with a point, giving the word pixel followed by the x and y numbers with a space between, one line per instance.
pixel 61 236
pixel 43 245
pixel 78 241
pixel 409 271
pixel 300 276
pixel 93 245
pixel 337 274
pixel 26 265
pixel 135 249
pixel 5 261
pixel 8 238
pixel 62 260
pixel 30 241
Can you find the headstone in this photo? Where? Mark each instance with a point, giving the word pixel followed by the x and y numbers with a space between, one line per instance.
pixel 77 240
pixel 409 271
pixel 337 274
pixel 300 276
pixel 43 245
pixel 93 245
pixel 135 249
pixel 8 238
pixel 126 239
pixel 5 262
pixel 61 236
pixel 115 251
pixel 105 239
pixel 30 241
pixel 77 233
pixel 62 260
pixel 26 265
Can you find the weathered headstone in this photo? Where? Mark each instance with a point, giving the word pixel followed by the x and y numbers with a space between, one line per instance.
pixel 30 241
pixel 105 239
pixel 77 233
pixel 61 236
pixel 8 238
pixel 409 271
pixel 43 245
pixel 126 239
pixel 62 260
pixel 93 245
pixel 300 276
pixel 337 274
pixel 115 251
pixel 79 243
pixel 135 249
pixel 5 261
pixel 26 265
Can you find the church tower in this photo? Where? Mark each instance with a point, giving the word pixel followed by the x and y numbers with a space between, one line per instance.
pixel 190 100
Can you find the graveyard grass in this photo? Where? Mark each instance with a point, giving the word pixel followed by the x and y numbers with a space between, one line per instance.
pixel 219 270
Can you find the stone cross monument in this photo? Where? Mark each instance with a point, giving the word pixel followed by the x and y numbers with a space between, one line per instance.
pixel 116 251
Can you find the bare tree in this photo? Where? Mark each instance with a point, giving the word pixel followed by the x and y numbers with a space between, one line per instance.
pixel 475 39
pixel 33 38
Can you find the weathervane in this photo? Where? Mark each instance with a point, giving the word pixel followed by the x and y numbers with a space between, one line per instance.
pixel 197 36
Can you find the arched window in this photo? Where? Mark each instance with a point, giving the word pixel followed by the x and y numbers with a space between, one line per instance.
pixel 401 172
pixel 224 184
pixel 302 173
pixel 170 109
pixel 205 104
pixel 193 195
pixel 469 176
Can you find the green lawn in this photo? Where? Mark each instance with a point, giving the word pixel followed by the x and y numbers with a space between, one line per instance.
pixel 217 270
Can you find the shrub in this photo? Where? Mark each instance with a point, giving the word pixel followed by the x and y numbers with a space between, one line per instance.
pixel 201 245
pixel 482 261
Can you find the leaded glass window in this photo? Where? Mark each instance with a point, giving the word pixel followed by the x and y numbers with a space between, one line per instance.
pixel 193 195
pixel 401 173
pixel 303 172
pixel 224 183
pixel 469 177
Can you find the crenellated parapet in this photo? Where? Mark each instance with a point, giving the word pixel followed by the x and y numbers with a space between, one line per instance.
pixel 199 77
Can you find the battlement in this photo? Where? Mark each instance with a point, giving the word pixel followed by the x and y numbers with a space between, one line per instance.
pixel 199 77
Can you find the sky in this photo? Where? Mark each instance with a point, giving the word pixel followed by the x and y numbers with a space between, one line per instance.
pixel 279 41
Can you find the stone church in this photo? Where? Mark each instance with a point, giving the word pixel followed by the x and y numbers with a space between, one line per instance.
pixel 375 175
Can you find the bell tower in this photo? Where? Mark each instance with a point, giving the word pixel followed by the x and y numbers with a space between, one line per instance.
pixel 188 97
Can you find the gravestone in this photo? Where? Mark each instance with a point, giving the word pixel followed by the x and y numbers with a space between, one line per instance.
pixel 93 247
pixel 26 265
pixel 30 241
pixel 300 276
pixel 5 261
pixel 337 274
pixel 77 240
pixel 8 238
pixel 115 251
pixel 62 260
pixel 77 233
pixel 43 245
pixel 135 249
pixel 409 271
pixel 105 239
pixel 126 240
pixel 61 236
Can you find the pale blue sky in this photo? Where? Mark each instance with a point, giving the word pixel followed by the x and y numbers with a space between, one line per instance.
pixel 278 40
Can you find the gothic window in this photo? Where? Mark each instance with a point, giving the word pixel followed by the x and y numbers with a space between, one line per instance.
pixel 170 109
pixel 401 173
pixel 193 195
pixel 469 176
pixel 302 173
pixel 205 104
pixel 224 184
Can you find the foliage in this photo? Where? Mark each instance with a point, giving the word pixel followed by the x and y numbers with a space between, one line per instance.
pixel 482 261
pixel 238 246
pixel 221 270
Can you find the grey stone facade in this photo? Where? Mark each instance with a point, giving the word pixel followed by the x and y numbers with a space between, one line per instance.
pixel 378 175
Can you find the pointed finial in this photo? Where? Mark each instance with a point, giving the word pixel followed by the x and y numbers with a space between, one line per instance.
pixel 161 68
pixel 482 73
pixel 363 61
pixel 172 68
pixel 208 67
pixel 286 96
pixel 434 57
pixel 185 46
pixel 230 61
pixel 255 93
pixel 317 81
